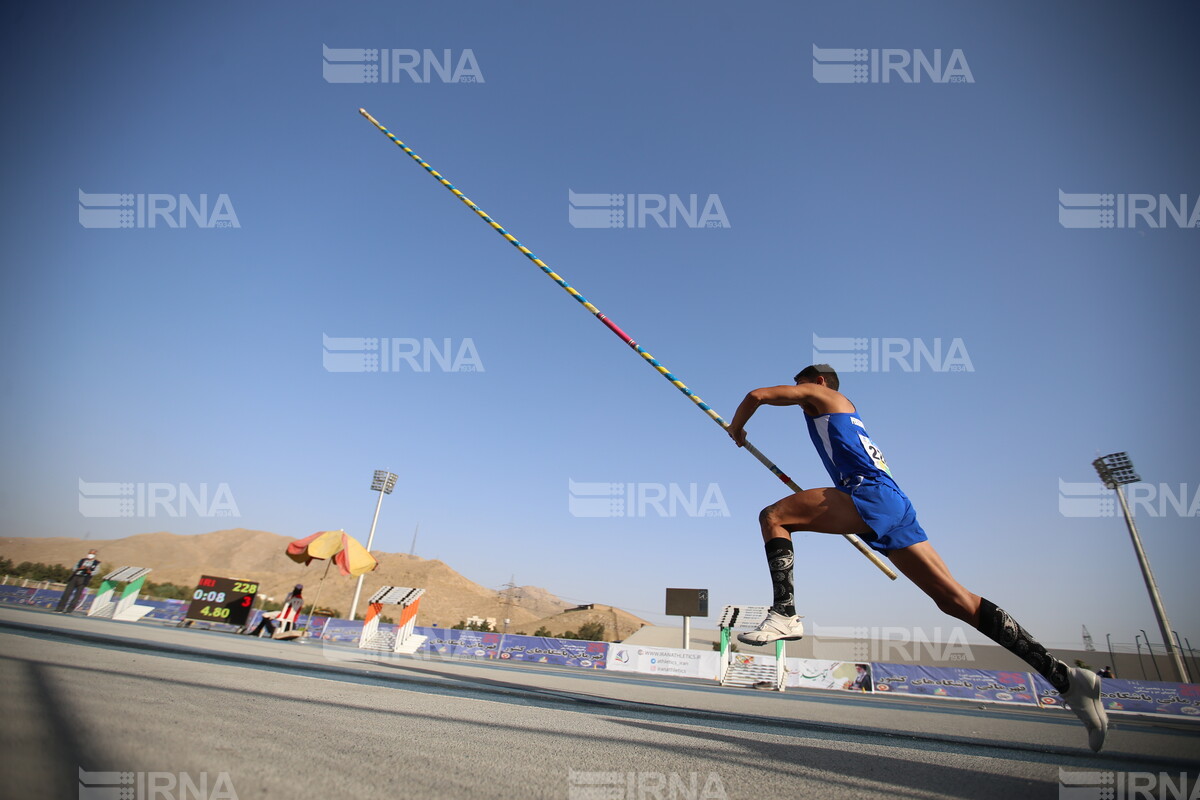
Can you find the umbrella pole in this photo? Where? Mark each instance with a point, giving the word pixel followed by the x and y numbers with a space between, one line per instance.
pixel 320 586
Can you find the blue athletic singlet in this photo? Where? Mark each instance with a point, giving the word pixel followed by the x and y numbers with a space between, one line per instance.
pixel 849 455
pixel 858 468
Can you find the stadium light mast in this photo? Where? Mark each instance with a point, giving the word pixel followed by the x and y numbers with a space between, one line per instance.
pixel 1115 470
pixel 383 482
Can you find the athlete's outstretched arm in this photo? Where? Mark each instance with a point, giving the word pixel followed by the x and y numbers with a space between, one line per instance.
pixel 768 395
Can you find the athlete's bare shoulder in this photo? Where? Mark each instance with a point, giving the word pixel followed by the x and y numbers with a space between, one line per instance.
pixel 820 400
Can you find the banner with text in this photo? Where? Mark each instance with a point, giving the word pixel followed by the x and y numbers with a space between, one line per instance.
pixel 545 650
pixel 960 682
pixel 459 644
pixel 1134 697
pixel 664 661
pixel 812 673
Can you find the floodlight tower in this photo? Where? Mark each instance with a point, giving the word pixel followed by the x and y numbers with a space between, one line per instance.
pixel 383 483
pixel 1115 470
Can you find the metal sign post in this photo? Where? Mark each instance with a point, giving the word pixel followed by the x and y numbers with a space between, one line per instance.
pixel 687 603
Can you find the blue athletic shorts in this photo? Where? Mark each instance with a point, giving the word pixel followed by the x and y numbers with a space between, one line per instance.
pixel 890 515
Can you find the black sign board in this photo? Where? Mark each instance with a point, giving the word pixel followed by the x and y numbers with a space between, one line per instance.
pixel 687 602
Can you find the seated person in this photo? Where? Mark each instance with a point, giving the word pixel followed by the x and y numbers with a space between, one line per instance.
pixel 287 615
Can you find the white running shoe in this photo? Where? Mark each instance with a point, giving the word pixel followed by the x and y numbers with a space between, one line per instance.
pixel 775 627
pixel 1083 696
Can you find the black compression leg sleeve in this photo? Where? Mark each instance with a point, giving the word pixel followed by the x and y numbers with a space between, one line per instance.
pixel 780 557
pixel 997 625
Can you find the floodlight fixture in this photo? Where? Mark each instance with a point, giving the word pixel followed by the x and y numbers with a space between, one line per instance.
pixel 1116 470
pixel 384 481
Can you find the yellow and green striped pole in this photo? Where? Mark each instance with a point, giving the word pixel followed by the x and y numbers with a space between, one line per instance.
pixel 651 360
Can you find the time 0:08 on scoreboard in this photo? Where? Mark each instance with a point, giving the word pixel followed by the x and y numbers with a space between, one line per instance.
pixel 222 600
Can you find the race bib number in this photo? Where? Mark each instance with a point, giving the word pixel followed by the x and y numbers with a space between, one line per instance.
pixel 874 453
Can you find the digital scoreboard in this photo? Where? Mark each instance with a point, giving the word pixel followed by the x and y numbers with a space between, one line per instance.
pixel 222 600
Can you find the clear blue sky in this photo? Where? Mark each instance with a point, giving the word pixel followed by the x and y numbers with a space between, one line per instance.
pixel 905 211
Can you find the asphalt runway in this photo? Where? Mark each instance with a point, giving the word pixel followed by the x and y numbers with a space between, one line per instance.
pixel 178 709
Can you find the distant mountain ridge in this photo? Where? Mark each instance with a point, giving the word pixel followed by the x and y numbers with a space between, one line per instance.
pixel 259 556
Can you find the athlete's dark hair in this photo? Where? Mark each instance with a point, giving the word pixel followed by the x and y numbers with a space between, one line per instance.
pixel 831 377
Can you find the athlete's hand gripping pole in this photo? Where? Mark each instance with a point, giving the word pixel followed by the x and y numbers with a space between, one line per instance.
pixel 862 548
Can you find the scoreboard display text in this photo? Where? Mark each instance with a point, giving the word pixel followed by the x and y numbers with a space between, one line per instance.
pixel 222 600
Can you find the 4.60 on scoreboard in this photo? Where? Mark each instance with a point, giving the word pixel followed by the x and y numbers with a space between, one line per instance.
pixel 222 600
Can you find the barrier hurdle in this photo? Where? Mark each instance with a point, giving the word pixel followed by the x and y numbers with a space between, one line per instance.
pixel 403 640
pixel 124 609
pixel 736 670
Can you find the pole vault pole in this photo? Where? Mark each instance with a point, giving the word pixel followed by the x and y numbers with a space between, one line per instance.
pixel 612 326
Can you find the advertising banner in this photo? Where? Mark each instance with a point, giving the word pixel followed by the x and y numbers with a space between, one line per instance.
pixel 812 673
pixel 41 598
pixel 511 647
pixel 442 641
pixel 664 661
pixel 960 682
pixel 1134 697
pixel 544 650
pixel 341 630
pixel 459 644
